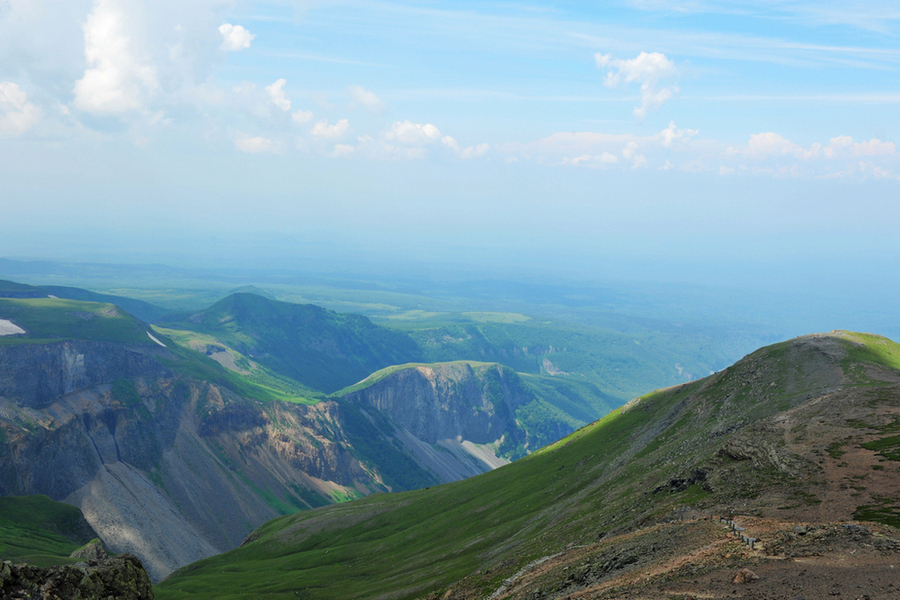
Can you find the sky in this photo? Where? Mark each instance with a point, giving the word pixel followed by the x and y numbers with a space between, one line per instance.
pixel 703 140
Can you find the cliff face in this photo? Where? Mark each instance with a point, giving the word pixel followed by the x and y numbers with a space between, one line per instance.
pixel 449 401
pixel 165 467
pixel 36 374
pixel 174 469
pixel 457 419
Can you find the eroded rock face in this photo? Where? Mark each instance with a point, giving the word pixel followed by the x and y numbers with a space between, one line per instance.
pixel 449 401
pixel 93 550
pixel 35 375
pixel 122 577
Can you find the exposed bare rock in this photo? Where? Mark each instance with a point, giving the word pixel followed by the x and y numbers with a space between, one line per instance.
pixel 449 401
pixel 744 576
pixel 121 577
pixel 93 550
pixel 37 374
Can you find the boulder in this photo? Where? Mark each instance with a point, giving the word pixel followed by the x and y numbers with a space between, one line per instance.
pixel 122 577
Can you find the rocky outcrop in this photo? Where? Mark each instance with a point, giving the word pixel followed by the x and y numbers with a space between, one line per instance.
pixel 122 577
pixel 35 375
pixel 173 469
pixel 93 550
pixel 449 401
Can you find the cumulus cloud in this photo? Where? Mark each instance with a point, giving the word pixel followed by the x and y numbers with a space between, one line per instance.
pixel 769 153
pixel 844 145
pixel 767 144
pixel 410 141
pixel 415 137
pixel 118 79
pixel 474 151
pixel 414 134
pixel 302 117
pixel 254 145
pixel 631 152
pixel 17 114
pixel 647 69
pixel 367 100
pixel 277 95
pixel 323 130
pixel 672 134
pixel 592 160
pixel 235 37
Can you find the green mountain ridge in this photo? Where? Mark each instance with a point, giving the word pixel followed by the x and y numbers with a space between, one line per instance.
pixel 773 439
pixel 140 309
pixel 316 347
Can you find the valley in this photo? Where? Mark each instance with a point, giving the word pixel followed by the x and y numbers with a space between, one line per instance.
pixel 258 448
pixel 631 505
pixel 155 436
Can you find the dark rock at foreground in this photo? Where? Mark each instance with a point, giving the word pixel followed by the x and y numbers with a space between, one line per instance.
pixel 122 577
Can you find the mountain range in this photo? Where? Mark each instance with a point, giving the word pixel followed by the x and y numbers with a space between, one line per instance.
pixel 183 442
pixel 156 441
pixel 794 446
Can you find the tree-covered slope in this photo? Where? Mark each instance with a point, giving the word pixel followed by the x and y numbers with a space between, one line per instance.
pixel 775 438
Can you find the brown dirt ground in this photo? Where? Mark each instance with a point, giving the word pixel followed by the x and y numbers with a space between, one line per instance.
pixel 699 560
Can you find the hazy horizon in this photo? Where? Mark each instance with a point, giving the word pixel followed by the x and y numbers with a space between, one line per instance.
pixel 713 143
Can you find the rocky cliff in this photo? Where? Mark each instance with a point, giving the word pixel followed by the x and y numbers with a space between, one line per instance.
pixel 122 577
pixel 449 400
pixel 173 469
pixel 170 460
pixel 457 418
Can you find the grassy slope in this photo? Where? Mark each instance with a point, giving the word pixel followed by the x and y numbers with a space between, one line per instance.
pixel 142 310
pixel 39 531
pixel 622 365
pixel 316 347
pixel 389 543
pixel 612 475
pixel 49 319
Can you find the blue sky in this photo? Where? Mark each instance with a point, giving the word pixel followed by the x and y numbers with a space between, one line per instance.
pixel 673 139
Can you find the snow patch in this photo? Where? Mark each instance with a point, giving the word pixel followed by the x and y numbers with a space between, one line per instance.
pixel 9 328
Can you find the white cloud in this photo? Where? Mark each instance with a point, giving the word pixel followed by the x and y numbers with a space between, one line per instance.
pixel 17 114
pixel 277 95
pixel 770 144
pixel 302 117
pixel 415 137
pixel 593 161
pixel 367 99
pixel 647 69
pixel 414 134
pixel 235 37
pixel 474 151
pixel 254 145
pixel 844 145
pixel 672 134
pixel 595 149
pixel 770 154
pixel 764 145
pixel 631 153
pixel 323 130
pixel 117 79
